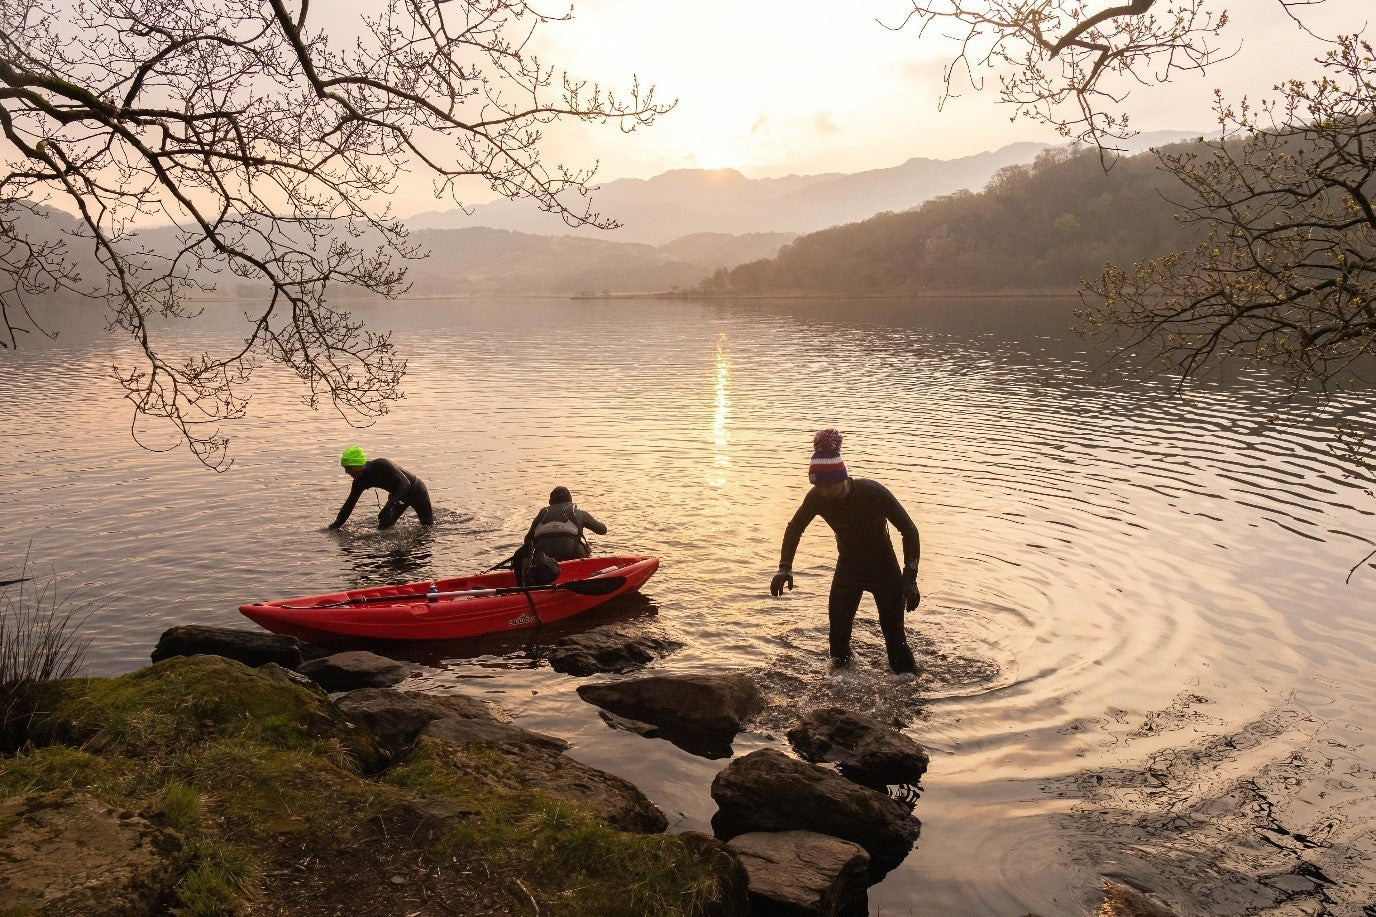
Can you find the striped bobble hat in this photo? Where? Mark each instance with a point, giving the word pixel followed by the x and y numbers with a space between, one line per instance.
pixel 826 466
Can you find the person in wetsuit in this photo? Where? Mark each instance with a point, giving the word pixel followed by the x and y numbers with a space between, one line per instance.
pixel 404 490
pixel 555 534
pixel 858 511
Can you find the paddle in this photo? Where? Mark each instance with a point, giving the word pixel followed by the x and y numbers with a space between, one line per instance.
pixel 604 585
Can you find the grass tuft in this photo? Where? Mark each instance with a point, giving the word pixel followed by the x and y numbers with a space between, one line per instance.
pixel 40 630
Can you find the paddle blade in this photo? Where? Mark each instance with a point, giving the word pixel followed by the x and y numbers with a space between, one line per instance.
pixel 603 585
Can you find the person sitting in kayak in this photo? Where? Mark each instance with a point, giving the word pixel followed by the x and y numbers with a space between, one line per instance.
pixel 857 511
pixel 555 534
pixel 404 490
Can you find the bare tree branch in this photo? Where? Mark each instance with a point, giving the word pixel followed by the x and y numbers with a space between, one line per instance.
pixel 273 151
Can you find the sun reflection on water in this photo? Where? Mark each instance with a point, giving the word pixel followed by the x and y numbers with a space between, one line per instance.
pixel 721 437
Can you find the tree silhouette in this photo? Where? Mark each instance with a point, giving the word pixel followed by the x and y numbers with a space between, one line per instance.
pixel 270 133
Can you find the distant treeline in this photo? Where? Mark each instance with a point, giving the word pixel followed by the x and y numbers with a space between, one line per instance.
pixel 1043 226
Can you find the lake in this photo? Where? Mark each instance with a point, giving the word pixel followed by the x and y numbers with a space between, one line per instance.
pixel 1142 656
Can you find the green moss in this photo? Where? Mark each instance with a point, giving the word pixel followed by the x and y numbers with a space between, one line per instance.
pixel 258 776
pixel 187 700
pixel 61 769
pixel 568 860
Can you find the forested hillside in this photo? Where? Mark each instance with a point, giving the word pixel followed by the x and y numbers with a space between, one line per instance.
pixel 1043 226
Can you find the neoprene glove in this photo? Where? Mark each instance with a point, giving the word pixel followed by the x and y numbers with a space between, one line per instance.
pixel 781 579
pixel 911 596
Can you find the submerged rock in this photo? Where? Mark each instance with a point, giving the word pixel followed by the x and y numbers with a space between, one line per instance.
pixel 356 669
pixel 251 647
pixel 1122 901
pixel 610 648
pixel 866 750
pixel 768 791
pixel 700 713
pixel 802 872
pixel 81 856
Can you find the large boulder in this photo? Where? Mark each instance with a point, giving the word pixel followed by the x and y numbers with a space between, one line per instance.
pixel 768 791
pixel 80 856
pixel 610 648
pixel 523 767
pixel 801 872
pixel 251 647
pixel 866 751
pixel 700 713
pixel 356 669
pixel 397 717
pixel 471 731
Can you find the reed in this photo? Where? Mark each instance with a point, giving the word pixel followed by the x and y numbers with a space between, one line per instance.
pixel 41 629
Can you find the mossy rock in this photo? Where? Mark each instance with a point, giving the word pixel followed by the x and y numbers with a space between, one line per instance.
pixel 263 784
pixel 188 700
pixel 568 858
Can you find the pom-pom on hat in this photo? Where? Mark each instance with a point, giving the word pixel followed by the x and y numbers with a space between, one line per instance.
pixel 826 466
pixel 353 458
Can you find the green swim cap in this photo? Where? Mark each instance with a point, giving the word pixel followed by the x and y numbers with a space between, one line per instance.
pixel 353 458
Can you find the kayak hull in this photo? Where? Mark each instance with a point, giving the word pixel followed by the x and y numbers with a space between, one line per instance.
pixel 375 615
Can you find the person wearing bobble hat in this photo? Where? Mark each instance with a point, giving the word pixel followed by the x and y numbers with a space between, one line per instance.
pixel 858 510
pixel 403 489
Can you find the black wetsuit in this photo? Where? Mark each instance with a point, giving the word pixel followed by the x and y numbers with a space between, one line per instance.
pixel 866 562
pixel 403 490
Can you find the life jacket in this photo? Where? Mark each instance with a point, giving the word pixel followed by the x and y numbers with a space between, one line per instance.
pixel 559 519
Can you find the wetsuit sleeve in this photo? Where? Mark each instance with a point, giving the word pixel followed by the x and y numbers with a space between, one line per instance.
pixel 530 532
pixel 896 514
pixel 355 492
pixel 588 522
pixel 794 532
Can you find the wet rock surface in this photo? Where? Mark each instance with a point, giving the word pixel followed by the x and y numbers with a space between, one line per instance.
pixel 767 790
pixel 866 750
pixel 802 872
pixel 611 648
pixel 356 669
pixel 700 713
pixel 251 647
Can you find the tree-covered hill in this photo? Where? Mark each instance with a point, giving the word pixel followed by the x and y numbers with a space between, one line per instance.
pixel 1043 226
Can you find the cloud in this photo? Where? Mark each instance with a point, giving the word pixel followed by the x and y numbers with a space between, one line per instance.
pixel 924 72
pixel 824 124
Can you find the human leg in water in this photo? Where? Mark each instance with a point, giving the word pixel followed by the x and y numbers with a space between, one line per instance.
pixel 888 596
pixel 419 499
pixel 842 604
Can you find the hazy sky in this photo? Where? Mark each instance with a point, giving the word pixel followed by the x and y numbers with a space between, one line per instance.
pixel 773 88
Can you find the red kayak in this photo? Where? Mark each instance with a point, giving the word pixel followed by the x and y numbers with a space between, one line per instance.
pixel 450 608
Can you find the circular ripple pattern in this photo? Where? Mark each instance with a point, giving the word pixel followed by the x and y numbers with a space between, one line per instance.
pixel 1141 659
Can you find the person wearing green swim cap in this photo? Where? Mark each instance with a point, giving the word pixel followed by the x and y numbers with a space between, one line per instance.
pixel 404 490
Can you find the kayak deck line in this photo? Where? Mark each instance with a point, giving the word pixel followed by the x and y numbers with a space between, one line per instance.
pixel 442 609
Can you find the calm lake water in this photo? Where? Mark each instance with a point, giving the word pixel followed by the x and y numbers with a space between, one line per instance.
pixel 1142 660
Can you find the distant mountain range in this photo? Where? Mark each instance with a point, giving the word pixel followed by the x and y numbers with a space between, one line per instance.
pixel 482 260
pixel 1045 226
pixel 682 202
pixel 680 228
